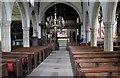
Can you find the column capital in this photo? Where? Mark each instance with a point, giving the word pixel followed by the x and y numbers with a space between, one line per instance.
pixel 25 28
pixel 35 34
pixel 0 23
pixel 108 24
pixel 6 23
pixel 87 30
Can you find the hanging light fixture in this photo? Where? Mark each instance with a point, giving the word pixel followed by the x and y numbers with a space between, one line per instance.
pixel 54 22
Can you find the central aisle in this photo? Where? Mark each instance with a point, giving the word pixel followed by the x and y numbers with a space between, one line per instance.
pixel 57 64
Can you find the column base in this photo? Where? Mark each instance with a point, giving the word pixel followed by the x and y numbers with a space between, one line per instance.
pixel 34 41
pixel 39 42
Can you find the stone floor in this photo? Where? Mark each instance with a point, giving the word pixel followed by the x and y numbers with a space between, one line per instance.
pixel 56 65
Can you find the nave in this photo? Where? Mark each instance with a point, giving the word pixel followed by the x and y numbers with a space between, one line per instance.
pixel 57 64
pixel 31 34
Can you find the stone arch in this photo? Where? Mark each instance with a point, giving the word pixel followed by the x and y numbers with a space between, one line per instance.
pixel 23 9
pixel 95 12
pixel 0 12
pixel 25 23
pixel 109 11
pixel 53 3
pixel 24 14
pixel 8 10
pixel 22 21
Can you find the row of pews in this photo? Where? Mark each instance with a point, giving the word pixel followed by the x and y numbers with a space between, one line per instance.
pixel 90 61
pixel 22 60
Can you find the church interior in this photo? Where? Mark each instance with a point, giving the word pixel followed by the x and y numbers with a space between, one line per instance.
pixel 67 38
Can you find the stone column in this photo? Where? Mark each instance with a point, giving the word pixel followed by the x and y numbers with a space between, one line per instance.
pixel 93 36
pixel 87 36
pixel 71 36
pixel 6 36
pixel 76 36
pixel 35 32
pixel 35 38
pixel 39 32
pixel 55 38
pixel 26 38
pixel 108 36
pixel 118 30
pixel 79 31
pixel 39 36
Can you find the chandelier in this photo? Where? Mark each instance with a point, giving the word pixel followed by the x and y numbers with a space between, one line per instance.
pixel 54 22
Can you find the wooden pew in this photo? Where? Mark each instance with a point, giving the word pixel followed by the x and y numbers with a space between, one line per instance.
pixel 32 55
pixel 29 50
pixel 107 70
pixel 90 52
pixel 16 63
pixel 28 59
pixel 97 62
pixel 95 58
pixel 45 49
pixel 84 49
pixel 3 70
pixel 41 51
pixel 116 48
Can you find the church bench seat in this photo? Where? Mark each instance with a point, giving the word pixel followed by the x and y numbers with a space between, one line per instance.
pixel 116 48
pixel 85 49
pixel 31 54
pixel 41 51
pixel 37 55
pixel 89 59
pixel 114 74
pixel 15 65
pixel 97 62
pixel 26 60
pixel 45 50
pixel 99 75
pixel 4 72
pixel 97 52
pixel 96 56
pixel 109 69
